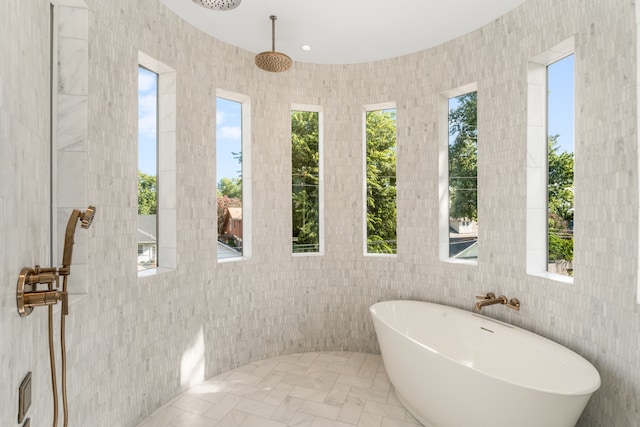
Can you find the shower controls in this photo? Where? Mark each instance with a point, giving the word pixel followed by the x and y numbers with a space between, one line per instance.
pixel 29 296
pixel 24 398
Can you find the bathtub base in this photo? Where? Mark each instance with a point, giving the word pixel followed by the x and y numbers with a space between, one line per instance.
pixel 413 411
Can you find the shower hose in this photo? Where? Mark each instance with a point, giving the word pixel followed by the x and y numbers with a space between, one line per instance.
pixel 52 362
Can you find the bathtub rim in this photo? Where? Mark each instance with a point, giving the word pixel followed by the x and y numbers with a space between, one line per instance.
pixel 580 392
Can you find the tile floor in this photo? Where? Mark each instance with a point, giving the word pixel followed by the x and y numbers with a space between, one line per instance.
pixel 323 389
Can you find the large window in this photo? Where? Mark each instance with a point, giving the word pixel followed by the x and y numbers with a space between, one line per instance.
pixel 380 167
pixel 306 180
pixel 550 163
pixel 147 169
pixel 232 182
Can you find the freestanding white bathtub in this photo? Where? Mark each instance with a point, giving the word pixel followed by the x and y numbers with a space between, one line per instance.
pixel 455 368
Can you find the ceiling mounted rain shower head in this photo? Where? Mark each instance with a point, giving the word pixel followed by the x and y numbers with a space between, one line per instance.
pixel 273 61
pixel 218 4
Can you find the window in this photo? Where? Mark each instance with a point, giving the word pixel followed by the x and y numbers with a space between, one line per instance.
pixel 550 163
pixel 459 175
pixel 306 180
pixel 560 165
pixel 380 179
pixel 156 231
pixel 232 175
pixel 147 169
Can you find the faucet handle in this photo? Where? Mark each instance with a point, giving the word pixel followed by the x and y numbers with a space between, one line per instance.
pixel 514 304
pixel 489 295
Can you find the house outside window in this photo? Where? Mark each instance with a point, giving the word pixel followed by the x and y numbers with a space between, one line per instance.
pixel 147 168
pixel 233 179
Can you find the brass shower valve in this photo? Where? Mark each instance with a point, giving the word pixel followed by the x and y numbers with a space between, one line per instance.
pixel 28 295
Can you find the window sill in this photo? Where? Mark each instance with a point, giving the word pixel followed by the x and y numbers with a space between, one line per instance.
pixel 232 259
pixel 377 255
pixel 473 263
pixel 306 254
pixel 553 277
pixel 154 272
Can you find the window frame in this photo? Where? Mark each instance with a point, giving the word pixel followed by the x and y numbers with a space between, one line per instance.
pixel 443 172
pixel 366 109
pixel 537 242
pixel 166 236
pixel 245 102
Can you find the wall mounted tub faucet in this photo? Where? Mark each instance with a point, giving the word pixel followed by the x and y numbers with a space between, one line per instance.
pixel 491 299
pixel 28 296
pixel 514 304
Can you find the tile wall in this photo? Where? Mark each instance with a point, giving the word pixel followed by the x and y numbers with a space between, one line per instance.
pixel 133 344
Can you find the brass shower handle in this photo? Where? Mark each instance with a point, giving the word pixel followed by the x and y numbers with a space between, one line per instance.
pixel 43 298
pixel 43 278
pixel 28 296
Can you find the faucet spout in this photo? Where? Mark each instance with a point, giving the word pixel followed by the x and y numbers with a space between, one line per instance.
pixel 490 299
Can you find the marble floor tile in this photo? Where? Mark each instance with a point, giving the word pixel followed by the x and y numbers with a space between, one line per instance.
pixel 317 389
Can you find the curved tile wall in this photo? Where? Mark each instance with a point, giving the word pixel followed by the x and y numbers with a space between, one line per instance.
pixel 135 343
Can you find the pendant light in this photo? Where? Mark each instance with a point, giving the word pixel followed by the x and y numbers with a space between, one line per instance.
pixel 273 61
pixel 218 4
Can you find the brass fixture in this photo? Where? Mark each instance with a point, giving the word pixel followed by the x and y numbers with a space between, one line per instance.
pixel 273 61
pixel 489 299
pixel 28 296
pixel 514 304
pixel 218 4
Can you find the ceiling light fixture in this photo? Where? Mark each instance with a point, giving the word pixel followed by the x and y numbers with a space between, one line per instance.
pixel 273 61
pixel 218 4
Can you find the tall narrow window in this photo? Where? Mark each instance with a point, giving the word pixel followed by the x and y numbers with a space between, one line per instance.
pixel 232 175
pixel 560 158
pixel 550 163
pixel 463 177
pixel 147 169
pixel 306 183
pixel 380 167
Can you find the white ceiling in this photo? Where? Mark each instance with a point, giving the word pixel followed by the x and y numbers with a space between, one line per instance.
pixel 343 31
